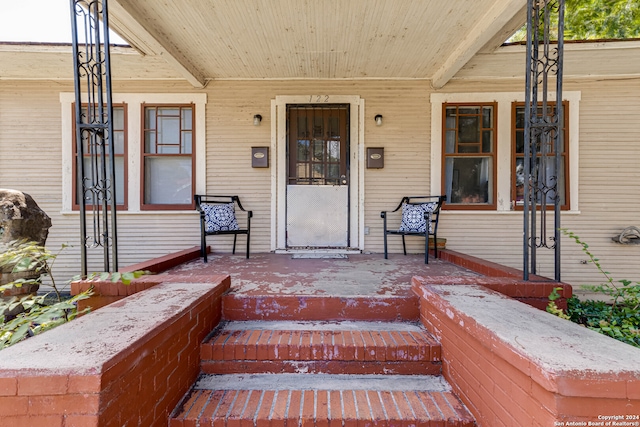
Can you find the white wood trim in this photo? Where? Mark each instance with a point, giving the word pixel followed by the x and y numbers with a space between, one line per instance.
pixel 275 168
pixel 279 183
pixel 66 100
pixel 503 159
pixel 361 171
pixel 355 174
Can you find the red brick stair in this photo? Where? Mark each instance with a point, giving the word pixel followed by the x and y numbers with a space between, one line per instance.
pixel 282 373
pixel 321 347
pixel 321 400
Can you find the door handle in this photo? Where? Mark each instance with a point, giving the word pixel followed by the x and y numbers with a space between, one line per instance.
pixel 344 179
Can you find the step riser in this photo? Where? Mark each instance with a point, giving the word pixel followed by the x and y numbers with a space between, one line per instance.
pixel 322 345
pixel 321 367
pixel 348 408
pixel 291 307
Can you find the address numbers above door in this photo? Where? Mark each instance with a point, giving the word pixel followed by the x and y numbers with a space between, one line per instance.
pixel 319 98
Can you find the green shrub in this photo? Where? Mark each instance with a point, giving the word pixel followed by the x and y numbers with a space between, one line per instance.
pixel 39 313
pixel 35 313
pixel 38 316
pixel 618 318
pixel 620 321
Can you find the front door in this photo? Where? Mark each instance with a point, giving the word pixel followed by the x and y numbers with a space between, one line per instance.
pixel 317 176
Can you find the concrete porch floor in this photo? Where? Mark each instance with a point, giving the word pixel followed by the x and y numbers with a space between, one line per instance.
pixel 288 274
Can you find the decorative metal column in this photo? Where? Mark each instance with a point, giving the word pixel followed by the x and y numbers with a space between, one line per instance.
pixel 95 166
pixel 543 131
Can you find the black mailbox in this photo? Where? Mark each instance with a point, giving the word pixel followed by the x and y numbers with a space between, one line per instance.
pixel 260 157
pixel 375 158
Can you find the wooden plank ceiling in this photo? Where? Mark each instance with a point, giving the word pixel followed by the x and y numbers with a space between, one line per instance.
pixel 315 39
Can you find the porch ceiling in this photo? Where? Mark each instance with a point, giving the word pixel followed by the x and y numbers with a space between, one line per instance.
pixel 316 39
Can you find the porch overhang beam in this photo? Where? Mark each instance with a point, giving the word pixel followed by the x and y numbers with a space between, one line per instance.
pixel 138 31
pixel 502 17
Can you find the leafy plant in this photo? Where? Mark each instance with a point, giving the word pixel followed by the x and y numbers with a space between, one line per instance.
pixel 38 316
pixel 29 315
pixel 620 322
pixel 619 318
pixel 602 19
pixel 126 278
pixel 552 306
pixel 595 19
pixel 24 256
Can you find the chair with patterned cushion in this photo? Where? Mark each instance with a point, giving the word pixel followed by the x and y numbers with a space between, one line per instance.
pixel 218 217
pixel 419 218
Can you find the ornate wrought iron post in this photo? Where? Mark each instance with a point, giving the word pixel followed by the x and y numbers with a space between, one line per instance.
pixel 95 177
pixel 543 131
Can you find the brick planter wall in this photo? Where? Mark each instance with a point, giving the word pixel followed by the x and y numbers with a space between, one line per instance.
pixel 533 293
pixel 106 292
pixel 506 280
pixel 514 365
pixel 129 363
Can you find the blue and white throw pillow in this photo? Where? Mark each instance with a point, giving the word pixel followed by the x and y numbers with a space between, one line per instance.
pixel 219 217
pixel 413 219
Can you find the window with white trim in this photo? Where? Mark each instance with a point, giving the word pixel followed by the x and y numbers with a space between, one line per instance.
pixel 168 157
pixel 159 142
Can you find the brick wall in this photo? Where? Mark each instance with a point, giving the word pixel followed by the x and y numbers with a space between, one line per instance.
pixel 514 365
pixel 127 364
pixel 533 293
pixel 506 280
pixel 106 292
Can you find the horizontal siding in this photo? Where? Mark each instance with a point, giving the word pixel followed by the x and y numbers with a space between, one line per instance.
pixel 609 190
pixel 613 59
pixel 230 136
pixel 405 137
pixel 30 152
pixel 31 155
pixel 609 181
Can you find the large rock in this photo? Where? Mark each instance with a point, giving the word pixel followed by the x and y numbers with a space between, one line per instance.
pixel 21 218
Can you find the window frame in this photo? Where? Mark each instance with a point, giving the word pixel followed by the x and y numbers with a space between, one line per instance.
pixel 504 100
pixel 565 153
pixel 75 206
pixel 143 155
pixel 493 155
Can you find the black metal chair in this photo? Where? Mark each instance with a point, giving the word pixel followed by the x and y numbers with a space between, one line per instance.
pixel 420 216
pixel 218 217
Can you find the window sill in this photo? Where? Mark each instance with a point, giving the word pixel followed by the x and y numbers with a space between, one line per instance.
pixel 500 212
pixel 150 212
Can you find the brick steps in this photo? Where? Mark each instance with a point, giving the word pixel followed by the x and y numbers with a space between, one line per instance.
pixel 321 400
pixel 321 347
pixel 321 373
pixel 323 360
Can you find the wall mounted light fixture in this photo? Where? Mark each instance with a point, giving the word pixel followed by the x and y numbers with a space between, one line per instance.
pixel 378 119
pixel 257 119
